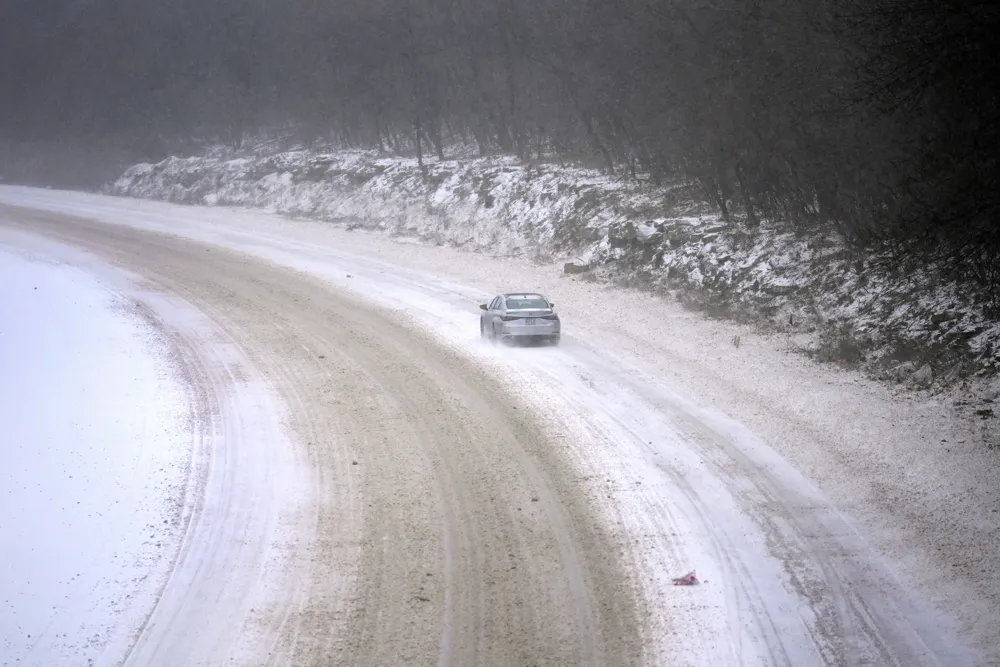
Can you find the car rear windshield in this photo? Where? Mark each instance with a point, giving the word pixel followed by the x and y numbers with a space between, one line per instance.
pixel 526 303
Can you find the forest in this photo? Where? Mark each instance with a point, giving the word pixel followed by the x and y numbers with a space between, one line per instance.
pixel 876 119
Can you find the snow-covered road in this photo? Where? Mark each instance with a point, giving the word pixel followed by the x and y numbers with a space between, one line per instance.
pixel 642 448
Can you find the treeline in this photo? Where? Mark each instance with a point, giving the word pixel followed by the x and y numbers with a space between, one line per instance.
pixel 874 117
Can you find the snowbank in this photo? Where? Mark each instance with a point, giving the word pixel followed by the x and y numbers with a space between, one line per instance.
pixel 95 460
pixel 904 328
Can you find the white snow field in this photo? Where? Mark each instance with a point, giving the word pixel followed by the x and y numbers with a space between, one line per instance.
pixel 115 483
pixel 831 521
pixel 94 463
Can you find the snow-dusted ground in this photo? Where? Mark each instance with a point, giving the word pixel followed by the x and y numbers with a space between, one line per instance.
pixel 831 518
pixel 848 308
pixel 141 473
pixel 94 466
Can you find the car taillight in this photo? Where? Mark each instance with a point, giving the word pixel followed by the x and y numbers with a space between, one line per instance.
pixel 510 318
pixel 549 317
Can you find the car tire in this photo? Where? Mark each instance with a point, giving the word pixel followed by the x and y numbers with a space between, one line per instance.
pixel 498 339
pixel 554 341
pixel 482 329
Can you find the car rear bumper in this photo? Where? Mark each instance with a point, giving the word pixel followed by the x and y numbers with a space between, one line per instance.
pixel 530 332
pixel 520 331
pixel 528 338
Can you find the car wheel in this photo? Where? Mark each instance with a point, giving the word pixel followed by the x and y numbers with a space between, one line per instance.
pixel 482 329
pixel 498 338
pixel 554 341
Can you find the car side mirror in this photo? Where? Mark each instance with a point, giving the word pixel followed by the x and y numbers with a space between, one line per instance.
pixel 551 305
pixel 482 306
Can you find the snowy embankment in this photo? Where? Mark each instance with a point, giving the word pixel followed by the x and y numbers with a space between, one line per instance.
pixel 914 328
pixel 94 468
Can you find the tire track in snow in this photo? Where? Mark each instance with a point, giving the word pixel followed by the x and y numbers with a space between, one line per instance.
pixel 860 615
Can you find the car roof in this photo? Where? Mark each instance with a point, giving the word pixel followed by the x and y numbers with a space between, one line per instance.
pixel 524 295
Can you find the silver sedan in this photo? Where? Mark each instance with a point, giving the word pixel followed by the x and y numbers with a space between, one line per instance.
pixel 519 317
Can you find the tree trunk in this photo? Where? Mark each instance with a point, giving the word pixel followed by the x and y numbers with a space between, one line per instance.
pixel 596 141
pixel 748 205
pixel 482 142
pixel 715 191
pixel 434 138
pixel 417 131
pixel 378 133
pixel 511 115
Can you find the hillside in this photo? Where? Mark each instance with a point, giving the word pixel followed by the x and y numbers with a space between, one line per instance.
pixel 916 329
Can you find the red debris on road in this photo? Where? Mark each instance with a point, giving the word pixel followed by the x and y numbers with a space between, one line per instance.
pixel 688 579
